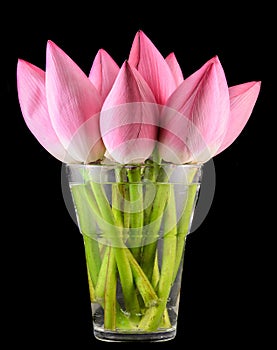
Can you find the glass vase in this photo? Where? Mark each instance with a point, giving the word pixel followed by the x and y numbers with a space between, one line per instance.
pixel 134 220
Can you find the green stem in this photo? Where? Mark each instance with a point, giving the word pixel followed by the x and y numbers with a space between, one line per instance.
pixel 126 198
pixel 136 215
pixel 91 288
pixel 101 283
pixel 145 288
pixel 117 203
pixel 156 272
pixel 150 175
pixel 169 247
pixel 93 258
pixel 123 265
pixel 106 214
pixel 105 291
pixel 153 317
pixel 98 268
pixel 129 271
pixel 110 293
pixel 127 283
pixel 149 249
pixel 183 226
pixel 88 230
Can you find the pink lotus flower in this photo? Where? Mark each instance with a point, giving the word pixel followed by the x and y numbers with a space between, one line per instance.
pixel 145 101
pixel 128 119
pixel 203 116
pixel 61 106
pixel 156 71
pixel 33 103
pixel 74 105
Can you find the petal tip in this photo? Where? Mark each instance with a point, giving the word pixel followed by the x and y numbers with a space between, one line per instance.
pixel 171 55
pixel 215 59
pixel 50 42
pixel 102 52
pixel 51 46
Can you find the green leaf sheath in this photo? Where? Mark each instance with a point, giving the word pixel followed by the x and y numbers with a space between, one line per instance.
pixel 136 215
pixel 184 224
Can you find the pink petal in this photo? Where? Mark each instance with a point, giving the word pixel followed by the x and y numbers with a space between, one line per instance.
pixel 103 72
pixel 32 100
pixel 74 105
pixel 242 100
pixel 175 68
pixel 128 119
pixel 146 58
pixel 194 121
pixel 189 86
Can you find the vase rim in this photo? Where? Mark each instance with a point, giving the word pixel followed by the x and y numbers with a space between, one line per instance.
pixel 113 165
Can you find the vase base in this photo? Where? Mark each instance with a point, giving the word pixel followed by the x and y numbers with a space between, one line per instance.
pixel 113 336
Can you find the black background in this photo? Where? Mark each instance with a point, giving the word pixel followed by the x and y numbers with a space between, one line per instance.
pixel 229 265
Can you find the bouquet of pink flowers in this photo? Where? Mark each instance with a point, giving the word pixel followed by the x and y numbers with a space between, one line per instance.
pixel 123 131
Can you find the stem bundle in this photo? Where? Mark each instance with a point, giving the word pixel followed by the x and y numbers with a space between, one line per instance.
pixel 134 242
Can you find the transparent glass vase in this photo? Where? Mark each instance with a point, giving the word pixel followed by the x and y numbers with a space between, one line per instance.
pixel 134 220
